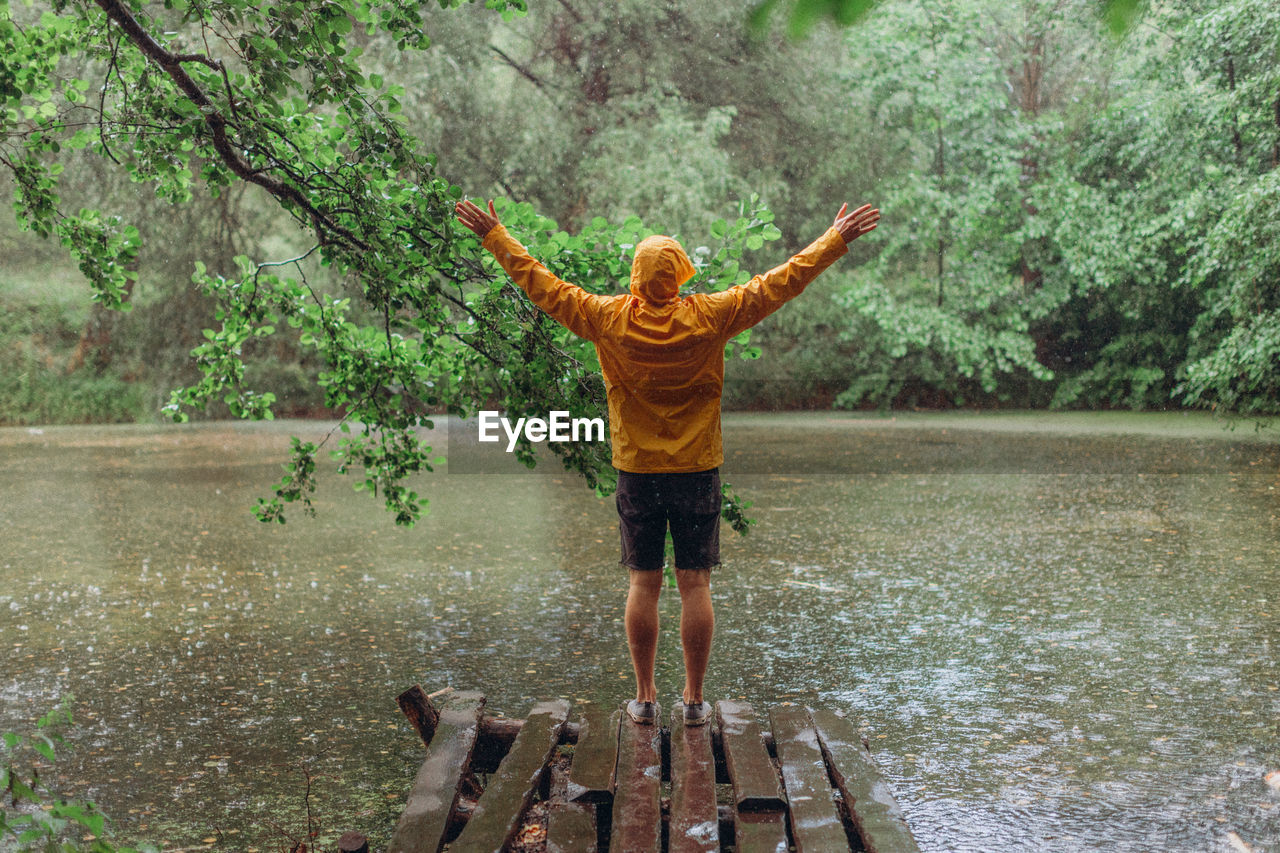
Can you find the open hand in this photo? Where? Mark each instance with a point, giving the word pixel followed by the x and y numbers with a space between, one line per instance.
pixel 854 225
pixel 474 218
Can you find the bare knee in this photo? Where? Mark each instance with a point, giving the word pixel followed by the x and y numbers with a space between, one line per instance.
pixel 647 583
pixel 691 580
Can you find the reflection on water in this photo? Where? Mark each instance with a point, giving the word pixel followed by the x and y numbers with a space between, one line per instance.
pixel 1053 640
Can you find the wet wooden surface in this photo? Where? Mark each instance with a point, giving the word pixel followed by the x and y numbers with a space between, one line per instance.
pixel 426 818
pixel 571 828
pixel 595 779
pixel 761 832
pixel 751 771
pixel 595 756
pixel 416 705
pixel 878 820
pixel 501 809
pixel 637 812
pixel 694 823
pixel 816 826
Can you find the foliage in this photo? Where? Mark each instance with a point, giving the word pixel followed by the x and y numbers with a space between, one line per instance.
pixel 802 15
pixel 1071 219
pixel 35 817
pixel 1241 374
pixel 924 355
pixel 1064 235
pixel 275 96
pixel 1164 212
pixel 37 385
pixel 942 313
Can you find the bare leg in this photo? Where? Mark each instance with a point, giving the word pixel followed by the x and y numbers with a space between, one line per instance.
pixel 697 624
pixel 642 629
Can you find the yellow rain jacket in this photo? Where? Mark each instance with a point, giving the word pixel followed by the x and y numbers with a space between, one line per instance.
pixel 662 355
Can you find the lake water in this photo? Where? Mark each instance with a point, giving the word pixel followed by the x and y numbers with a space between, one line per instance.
pixel 1057 632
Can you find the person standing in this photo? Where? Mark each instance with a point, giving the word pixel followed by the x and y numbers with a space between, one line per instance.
pixel 662 357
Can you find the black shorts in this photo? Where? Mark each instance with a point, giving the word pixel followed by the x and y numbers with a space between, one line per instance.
pixel 689 502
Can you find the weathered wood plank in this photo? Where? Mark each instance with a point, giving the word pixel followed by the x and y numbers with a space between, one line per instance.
pixel 496 736
pixel 637 813
pixel 695 825
pixel 877 818
pixel 751 771
pixel 815 822
pixel 760 832
pixel 353 842
pixel 425 819
pixel 506 798
pixel 595 756
pixel 571 828
pixel 576 828
pixel 416 705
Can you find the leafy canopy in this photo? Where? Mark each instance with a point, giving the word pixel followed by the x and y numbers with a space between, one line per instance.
pixel 412 318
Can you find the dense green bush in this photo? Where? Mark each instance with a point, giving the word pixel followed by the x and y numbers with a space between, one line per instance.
pixel 38 384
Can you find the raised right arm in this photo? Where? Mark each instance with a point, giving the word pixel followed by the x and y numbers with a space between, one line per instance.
pixel 567 304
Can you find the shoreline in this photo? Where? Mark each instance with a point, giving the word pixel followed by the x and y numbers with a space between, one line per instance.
pixel 1188 424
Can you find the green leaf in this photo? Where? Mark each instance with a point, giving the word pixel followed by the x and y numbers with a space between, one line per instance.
pixel 45 747
pixel 1120 15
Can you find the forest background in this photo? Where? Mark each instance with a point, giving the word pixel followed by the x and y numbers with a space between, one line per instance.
pixel 1073 218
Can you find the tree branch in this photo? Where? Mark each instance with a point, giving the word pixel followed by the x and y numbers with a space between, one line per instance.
pixel 524 72
pixel 171 64
pixel 102 98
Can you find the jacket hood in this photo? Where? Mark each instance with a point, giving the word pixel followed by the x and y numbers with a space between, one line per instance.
pixel 659 268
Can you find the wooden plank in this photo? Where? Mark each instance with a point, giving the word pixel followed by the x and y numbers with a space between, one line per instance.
pixel 751 771
pixel 760 832
pixel 877 818
pixel 637 813
pixel 571 828
pixel 353 842
pixel 496 736
pixel 695 824
pixel 815 821
pixel 425 819
pixel 506 798
pixel 416 705
pixel 595 756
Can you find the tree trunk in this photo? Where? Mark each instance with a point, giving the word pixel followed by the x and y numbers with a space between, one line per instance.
pixel 1275 146
pixel 1031 84
pixel 1236 140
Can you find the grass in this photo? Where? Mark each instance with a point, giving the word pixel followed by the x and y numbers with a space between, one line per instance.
pixel 1175 424
pixel 43 319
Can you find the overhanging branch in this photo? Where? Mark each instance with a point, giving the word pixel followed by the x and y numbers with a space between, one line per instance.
pixel 172 65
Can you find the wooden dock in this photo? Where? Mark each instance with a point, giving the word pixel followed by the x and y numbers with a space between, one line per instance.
pixel 593 781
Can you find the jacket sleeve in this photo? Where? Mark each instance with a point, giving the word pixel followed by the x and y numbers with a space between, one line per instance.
pixel 739 308
pixel 567 304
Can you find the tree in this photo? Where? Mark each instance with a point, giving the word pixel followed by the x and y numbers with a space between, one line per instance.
pixel 1164 220
pixel 801 15
pixel 1235 344
pixel 965 97
pixel 202 97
